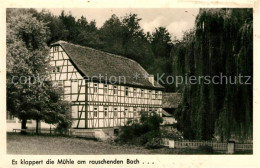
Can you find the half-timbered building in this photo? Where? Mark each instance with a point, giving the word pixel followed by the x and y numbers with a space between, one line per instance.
pixel 105 90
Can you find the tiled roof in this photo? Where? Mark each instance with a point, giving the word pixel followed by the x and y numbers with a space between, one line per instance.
pixel 92 63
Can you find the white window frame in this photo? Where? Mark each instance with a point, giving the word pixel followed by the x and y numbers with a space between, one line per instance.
pixel 126 112
pixel 115 90
pixel 150 112
pixel 134 92
pixel 115 112
pixel 142 92
pixel 134 112
pixel 95 88
pixel 95 112
pixel 150 94
pixel 56 69
pixel 156 94
pixel 126 91
pixel 105 89
pixel 55 48
pixel 105 112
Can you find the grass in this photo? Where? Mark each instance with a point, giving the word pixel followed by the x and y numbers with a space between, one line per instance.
pixel 62 145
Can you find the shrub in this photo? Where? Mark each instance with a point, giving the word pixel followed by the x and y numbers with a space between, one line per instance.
pixel 173 134
pixel 146 132
pixel 153 143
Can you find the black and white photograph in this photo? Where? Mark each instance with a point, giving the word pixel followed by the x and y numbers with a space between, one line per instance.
pixel 128 82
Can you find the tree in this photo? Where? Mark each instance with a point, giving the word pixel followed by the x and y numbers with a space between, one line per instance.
pixel 161 42
pixel 28 94
pixel 125 37
pixel 57 29
pixel 221 42
pixel 135 43
pixel 111 35
pixel 161 45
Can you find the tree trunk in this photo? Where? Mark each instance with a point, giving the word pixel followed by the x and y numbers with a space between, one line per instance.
pixel 23 126
pixel 37 126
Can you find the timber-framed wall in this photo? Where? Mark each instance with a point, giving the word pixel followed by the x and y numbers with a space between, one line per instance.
pixel 99 104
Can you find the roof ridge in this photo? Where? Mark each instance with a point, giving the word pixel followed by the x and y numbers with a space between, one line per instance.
pixel 114 55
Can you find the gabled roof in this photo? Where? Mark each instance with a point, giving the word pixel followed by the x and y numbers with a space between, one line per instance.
pixel 91 63
pixel 171 100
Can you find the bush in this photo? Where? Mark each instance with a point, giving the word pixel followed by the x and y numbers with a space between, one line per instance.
pixel 173 134
pixel 146 132
pixel 62 128
pixel 153 143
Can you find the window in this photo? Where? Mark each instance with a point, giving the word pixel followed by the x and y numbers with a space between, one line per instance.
pixel 105 89
pixel 150 112
pixel 142 93
pixel 134 112
pixel 156 94
pixel 150 94
pixel 115 112
pixel 95 87
pixel 105 112
pixel 56 69
pixel 134 93
pixel 126 112
pixel 126 91
pixel 95 112
pixel 56 49
pixel 115 90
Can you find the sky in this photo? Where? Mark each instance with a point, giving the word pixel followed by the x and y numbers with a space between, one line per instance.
pixel 176 20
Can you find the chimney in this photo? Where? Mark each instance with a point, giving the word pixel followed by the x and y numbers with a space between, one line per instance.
pixel 151 79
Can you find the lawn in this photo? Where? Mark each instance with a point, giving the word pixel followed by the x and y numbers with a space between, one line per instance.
pixel 60 145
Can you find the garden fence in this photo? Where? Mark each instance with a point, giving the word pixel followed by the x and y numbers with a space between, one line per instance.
pixel 215 145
